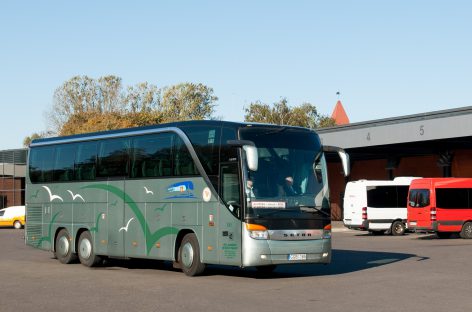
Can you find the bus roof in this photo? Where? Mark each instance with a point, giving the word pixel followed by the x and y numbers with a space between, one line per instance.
pixel 444 182
pixel 396 181
pixel 149 129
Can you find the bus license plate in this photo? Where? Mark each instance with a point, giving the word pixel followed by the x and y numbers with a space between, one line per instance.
pixel 296 257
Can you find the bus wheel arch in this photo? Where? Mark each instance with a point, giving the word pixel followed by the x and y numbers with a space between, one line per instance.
pixel 466 231
pixel 188 254
pixel 63 246
pixel 178 242
pixel 398 228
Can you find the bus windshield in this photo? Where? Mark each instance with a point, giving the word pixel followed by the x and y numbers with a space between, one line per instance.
pixel 291 180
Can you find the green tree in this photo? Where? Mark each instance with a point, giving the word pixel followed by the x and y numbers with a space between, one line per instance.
pixel 85 122
pixel 280 113
pixel 110 88
pixel 27 141
pixel 83 104
pixel 142 97
pixel 187 101
pixel 82 94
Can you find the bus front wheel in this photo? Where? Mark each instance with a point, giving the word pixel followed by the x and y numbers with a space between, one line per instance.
pixel 189 256
pixel 63 248
pixel 86 251
pixel 466 231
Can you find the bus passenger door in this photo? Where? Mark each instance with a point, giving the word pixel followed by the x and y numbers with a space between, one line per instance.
pixel 230 242
pixel 117 225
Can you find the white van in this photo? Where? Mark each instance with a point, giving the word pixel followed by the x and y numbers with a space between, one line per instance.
pixel 12 216
pixel 377 206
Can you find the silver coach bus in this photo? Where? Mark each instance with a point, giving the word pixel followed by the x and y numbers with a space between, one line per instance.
pixel 195 193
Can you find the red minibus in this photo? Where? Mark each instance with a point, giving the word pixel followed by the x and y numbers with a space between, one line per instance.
pixel 442 205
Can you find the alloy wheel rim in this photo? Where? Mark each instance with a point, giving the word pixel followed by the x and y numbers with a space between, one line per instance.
pixel 398 228
pixel 468 230
pixel 63 246
pixel 85 249
pixel 187 255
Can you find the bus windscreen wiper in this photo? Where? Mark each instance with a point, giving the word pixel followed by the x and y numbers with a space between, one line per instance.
pixel 313 209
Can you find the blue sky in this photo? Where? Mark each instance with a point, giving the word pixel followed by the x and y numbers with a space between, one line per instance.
pixel 387 58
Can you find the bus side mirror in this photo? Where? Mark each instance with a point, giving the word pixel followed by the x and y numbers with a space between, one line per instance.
pixel 342 155
pixel 250 148
pixel 252 157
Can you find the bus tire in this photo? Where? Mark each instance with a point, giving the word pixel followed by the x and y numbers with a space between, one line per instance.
pixel 466 231
pixel 86 251
pixel 17 225
pixel 189 256
pixel 398 228
pixel 63 248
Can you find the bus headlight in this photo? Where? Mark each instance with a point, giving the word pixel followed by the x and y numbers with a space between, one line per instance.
pixel 257 231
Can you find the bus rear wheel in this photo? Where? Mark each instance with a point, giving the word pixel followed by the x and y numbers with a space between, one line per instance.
pixel 86 251
pixel 398 228
pixel 63 248
pixel 189 256
pixel 466 231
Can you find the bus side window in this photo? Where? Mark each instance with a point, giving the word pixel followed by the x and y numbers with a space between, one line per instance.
pixel 205 141
pixel 183 162
pixel 41 166
pixel 113 158
pixel 64 163
pixel 423 198
pixel 412 198
pixel 151 156
pixel 419 198
pixel 85 162
pixel 230 187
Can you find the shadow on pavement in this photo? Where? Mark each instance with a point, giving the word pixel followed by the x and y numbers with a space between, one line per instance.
pixel 343 261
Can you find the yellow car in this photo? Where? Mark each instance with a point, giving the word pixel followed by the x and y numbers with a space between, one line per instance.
pixel 13 216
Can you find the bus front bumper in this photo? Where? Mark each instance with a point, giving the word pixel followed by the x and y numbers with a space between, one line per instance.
pixel 412 226
pixel 273 252
pixel 354 226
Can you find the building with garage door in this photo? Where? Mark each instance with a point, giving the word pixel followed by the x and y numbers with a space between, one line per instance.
pixel 434 144
pixel 12 177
